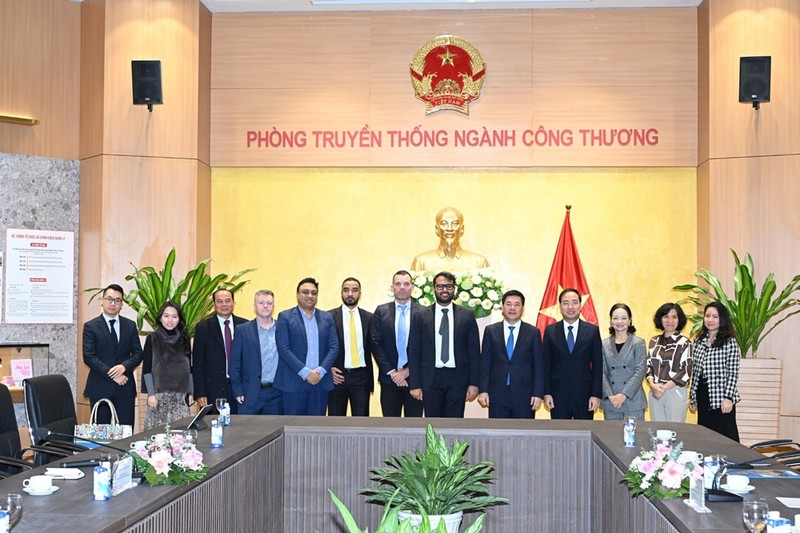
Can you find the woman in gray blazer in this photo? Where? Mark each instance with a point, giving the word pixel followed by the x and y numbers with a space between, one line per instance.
pixel 624 366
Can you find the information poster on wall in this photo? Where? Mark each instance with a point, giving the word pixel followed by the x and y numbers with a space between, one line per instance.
pixel 1 282
pixel 39 276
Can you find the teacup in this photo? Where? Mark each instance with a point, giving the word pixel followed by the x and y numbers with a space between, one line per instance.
pixel 737 482
pixel 690 457
pixel 665 435
pixel 38 483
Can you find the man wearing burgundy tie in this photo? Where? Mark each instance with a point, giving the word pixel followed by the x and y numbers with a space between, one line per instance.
pixel 352 369
pixel 444 353
pixel 111 350
pixel 213 340
pixel 254 361
pixel 389 340
pixel 512 364
pixel 573 355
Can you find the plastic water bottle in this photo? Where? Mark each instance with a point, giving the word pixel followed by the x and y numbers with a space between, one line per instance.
pixel 216 432
pixel 4 525
pixel 102 485
pixel 225 414
pixel 629 432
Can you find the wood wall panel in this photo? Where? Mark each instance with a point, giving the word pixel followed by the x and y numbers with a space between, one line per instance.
pixel 557 69
pixel 93 100
pixel 204 87
pixel 40 65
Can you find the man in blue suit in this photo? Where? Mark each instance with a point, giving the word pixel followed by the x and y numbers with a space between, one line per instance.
pixel 512 364
pixel 254 361
pixel 573 355
pixel 307 348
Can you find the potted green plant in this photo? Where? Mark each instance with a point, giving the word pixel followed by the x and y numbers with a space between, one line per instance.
pixel 750 312
pixel 436 482
pixel 192 293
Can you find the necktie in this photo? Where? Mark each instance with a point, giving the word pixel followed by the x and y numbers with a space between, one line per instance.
pixel 228 341
pixel 444 331
pixel 355 360
pixel 510 350
pixel 402 338
pixel 570 339
pixel 114 339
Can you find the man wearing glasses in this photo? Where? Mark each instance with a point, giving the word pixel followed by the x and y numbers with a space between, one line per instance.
pixel 111 350
pixel 307 348
pixel 444 353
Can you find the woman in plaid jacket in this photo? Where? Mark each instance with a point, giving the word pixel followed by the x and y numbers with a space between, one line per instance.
pixel 715 373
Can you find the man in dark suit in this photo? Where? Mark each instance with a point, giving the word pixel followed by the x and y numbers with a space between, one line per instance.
pixel 573 355
pixel 254 361
pixel 307 348
pixel 512 364
pixel 352 370
pixel 389 340
pixel 444 353
pixel 111 350
pixel 213 340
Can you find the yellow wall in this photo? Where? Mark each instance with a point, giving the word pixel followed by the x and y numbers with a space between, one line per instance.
pixel 635 229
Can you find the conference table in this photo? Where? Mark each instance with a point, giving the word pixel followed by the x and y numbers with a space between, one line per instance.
pixel 273 475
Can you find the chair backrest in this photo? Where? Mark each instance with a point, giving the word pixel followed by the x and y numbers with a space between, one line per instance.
pixel 49 404
pixel 9 431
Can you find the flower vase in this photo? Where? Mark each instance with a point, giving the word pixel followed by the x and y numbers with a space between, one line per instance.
pixel 452 521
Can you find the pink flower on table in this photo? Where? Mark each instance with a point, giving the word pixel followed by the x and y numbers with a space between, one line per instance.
pixel 645 467
pixel 161 461
pixel 193 459
pixel 672 475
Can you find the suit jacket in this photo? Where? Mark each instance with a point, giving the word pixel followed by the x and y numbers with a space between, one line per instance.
pixel 293 348
pixel 99 355
pixel 526 366
pixel 208 358
pixel 573 377
pixel 338 322
pixel 383 338
pixel 245 369
pixel 422 348
pixel 623 372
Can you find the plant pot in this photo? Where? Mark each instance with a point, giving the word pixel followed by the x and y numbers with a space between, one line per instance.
pixel 758 412
pixel 452 521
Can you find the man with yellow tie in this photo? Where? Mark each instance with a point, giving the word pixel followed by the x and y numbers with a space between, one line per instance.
pixel 352 370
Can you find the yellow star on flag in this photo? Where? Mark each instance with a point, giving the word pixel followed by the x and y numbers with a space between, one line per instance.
pixel 554 311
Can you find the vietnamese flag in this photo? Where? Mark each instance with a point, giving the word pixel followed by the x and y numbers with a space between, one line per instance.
pixel 565 272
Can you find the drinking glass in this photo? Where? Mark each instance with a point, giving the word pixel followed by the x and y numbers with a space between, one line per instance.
pixel 754 515
pixel 12 504
pixel 190 435
pixel 220 404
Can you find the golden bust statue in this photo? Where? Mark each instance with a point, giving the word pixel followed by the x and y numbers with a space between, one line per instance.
pixel 449 255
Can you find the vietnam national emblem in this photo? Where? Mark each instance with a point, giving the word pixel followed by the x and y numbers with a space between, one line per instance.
pixel 447 73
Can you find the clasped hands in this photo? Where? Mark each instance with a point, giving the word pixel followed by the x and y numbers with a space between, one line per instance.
pixel 117 373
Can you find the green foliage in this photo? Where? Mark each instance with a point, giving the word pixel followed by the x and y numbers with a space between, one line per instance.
pixel 436 481
pixel 750 311
pixel 192 293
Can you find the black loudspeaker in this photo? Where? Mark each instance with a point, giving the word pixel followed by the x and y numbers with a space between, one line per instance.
pixel 146 82
pixel 754 78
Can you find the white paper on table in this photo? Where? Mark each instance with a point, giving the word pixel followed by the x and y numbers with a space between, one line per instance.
pixel 121 479
pixel 792 503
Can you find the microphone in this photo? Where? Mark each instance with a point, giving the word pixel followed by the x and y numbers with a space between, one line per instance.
pixel 77 464
pixel 43 433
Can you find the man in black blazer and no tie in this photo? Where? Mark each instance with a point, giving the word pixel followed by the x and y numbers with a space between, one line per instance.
pixel 512 364
pixel 352 369
pixel 211 355
pixel 444 353
pixel 388 331
pixel 111 350
pixel 575 373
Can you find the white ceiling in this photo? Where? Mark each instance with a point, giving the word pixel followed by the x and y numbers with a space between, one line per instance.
pixel 267 6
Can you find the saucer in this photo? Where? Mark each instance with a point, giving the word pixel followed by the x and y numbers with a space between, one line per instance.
pixel 65 473
pixel 744 490
pixel 43 493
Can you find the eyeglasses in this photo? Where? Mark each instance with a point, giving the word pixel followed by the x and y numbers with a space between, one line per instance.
pixel 444 287
pixel 308 293
pixel 111 300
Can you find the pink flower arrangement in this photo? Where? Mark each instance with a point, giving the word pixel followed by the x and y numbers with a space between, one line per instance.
pixel 660 473
pixel 169 459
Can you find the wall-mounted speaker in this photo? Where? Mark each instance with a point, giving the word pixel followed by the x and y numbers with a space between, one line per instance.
pixel 146 76
pixel 754 79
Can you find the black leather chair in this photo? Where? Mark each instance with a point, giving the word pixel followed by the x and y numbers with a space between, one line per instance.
pixel 11 451
pixel 49 405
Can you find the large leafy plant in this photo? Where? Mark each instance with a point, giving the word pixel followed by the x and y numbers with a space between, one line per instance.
pixel 751 312
pixel 436 481
pixel 192 293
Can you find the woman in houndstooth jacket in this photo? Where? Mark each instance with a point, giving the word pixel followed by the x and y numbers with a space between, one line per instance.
pixel 715 373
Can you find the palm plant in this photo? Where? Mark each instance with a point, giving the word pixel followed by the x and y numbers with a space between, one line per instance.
pixel 750 311
pixel 192 293
pixel 436 481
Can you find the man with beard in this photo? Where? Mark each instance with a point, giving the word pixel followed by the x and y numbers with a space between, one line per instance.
pixel 449 256
pixel 444 353
pixel 352 370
